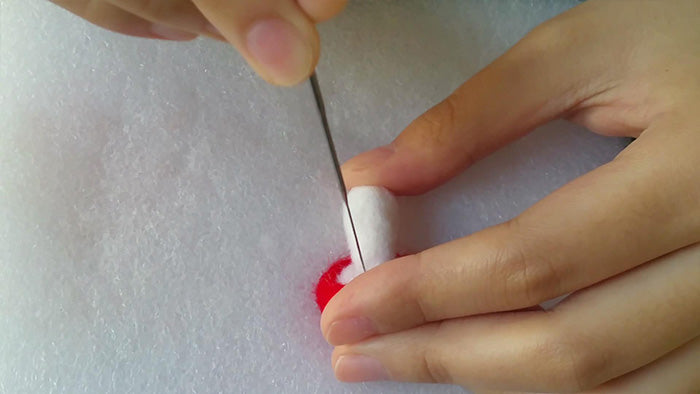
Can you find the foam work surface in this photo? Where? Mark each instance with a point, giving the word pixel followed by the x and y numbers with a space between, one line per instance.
pixel 164 214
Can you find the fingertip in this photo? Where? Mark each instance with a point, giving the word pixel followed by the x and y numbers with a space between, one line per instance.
pixel 331 314
pixel 337 351
pixel 353 368
pixel 403 170
pixel 371 304
pixel 322 10
pixel 325 322
pixel 282 54
pixel 365 168
pixel 328 316
pixel 350 330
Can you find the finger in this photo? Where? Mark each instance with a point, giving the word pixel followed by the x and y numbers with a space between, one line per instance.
pixel 113 18
pixel 640 206
pixel 275 36
pixel 554 71
pixel 677 372
pixel 177 14
pixel 537 80
pixel 322 10
pixel 597 334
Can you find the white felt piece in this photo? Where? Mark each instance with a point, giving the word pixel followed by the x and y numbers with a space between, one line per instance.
pixel 375 214
pixel 165 215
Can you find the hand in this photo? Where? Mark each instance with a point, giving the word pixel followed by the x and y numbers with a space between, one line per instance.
pixel 623 238
pixel 278 38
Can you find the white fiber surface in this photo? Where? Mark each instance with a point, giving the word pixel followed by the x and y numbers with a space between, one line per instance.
pixel 164 214
pixel 375 215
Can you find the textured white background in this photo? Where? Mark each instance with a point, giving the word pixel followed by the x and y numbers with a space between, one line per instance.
pixel 164 214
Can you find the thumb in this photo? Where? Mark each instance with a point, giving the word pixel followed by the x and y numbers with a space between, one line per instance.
pixel 278 38
pixel 535 81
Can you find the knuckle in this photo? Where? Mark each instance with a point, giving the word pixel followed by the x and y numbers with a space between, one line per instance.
pixel 434 362
pixel 588 363
pixel 419 289
pixel 529 277
pixel 437 126
pixel 558 363
pixel 573 363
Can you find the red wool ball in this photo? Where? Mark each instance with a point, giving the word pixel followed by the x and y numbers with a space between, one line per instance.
pixel 328 285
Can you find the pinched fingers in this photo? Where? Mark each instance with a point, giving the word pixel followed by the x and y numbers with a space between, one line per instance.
pixel 594 336
pixel 638 207
pixel 676 372
pixel 278 38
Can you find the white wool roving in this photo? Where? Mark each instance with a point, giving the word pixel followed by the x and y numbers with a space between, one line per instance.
pixel 375 214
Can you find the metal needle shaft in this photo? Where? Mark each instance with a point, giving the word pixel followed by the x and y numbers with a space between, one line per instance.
pixel 334 155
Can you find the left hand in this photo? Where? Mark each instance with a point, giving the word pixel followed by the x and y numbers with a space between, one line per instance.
pixel 624 239
pixel 278 38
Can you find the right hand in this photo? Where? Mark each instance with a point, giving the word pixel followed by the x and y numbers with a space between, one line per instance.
pixel 278 38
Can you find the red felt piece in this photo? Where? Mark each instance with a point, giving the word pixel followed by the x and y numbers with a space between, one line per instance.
pixel 328 285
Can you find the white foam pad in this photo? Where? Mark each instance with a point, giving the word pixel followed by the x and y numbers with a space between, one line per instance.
pixel 375 214
pixel 165 215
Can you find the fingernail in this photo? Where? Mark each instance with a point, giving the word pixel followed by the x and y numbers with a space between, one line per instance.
pixel 281 50
pixel 347 331
pixel 169 33
pixel 359 368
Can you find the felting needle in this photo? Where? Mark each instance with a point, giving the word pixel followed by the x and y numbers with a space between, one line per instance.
pixel 334 155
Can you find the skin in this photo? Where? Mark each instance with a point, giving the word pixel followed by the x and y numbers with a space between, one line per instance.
pixel 278 38
pixel 624 239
